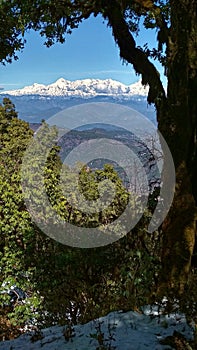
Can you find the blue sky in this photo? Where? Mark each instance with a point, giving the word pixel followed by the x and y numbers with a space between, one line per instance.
pixel 89 52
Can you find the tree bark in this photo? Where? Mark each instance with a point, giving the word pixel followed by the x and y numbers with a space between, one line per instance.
pixel 177 123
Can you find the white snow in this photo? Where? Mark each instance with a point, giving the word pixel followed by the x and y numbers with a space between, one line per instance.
pixel 121 331
pixel 86 88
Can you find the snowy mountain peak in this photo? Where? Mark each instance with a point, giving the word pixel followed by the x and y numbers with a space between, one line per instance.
pixel 61 82
pixel 86 88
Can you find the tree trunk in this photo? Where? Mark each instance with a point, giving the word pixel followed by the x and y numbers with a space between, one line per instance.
pixel 177 123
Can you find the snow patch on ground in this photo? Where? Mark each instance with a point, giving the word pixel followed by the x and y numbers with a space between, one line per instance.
pixel 118 330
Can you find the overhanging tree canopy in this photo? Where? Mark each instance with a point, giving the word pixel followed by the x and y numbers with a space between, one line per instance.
pixel 176 25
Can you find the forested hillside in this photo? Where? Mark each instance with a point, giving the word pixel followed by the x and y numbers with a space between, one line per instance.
pixel 138 268
pixel 61 283
pixel 58 278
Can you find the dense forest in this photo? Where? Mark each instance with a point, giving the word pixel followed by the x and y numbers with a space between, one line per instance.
pixel 56 276
pixel 139 267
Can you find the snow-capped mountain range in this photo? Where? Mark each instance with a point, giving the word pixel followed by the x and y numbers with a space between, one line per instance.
pixel 87 88
pixel 38 101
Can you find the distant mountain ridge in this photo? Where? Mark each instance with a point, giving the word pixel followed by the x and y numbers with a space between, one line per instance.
pixel 87 88
pixel 38 101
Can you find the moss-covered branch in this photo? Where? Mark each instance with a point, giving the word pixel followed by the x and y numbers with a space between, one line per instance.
pixel 134 55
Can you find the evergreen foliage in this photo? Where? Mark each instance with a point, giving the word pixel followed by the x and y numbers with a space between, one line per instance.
pixel 61 281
